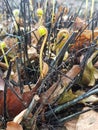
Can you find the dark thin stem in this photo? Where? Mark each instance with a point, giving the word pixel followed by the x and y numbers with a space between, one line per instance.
pixel 9 71
pixel 10 10
pixel 19 76
pixel 71 103
pixel 70 117
pixel 57 59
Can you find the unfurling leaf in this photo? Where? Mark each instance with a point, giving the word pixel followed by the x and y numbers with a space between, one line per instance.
pixel 62 37
pixel 90 73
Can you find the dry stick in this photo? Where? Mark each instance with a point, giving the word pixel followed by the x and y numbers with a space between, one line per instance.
pixel 33 103
pixel 34 119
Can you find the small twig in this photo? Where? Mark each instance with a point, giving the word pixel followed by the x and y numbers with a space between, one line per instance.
pixel 33 103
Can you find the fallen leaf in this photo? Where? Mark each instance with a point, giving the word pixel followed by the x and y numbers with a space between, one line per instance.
pixel 56 89
pixel 32 53
pixel 72 73
pixel 79 24
pixel 27 89
pixel 62 33
pixel 84 40
pixel 88 121
pixel 19 117
pixel 13 126
pixel 71 125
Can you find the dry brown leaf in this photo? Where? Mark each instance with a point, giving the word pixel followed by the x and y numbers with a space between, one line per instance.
pixel 32 53
pixel 71 125
pixel 10 42
pixel 79 23
pixel 19 117
pixel 13 126
pixel 68 96
pixel 56 89
pixel 88 121
pixel 75 70
pixel 84 40
pixel 72 73
pixel 44 96
pixel 27 89
pixel 87 35
pixel 14 104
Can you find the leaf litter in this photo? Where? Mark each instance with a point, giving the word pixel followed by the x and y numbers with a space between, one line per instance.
pixel 48 66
